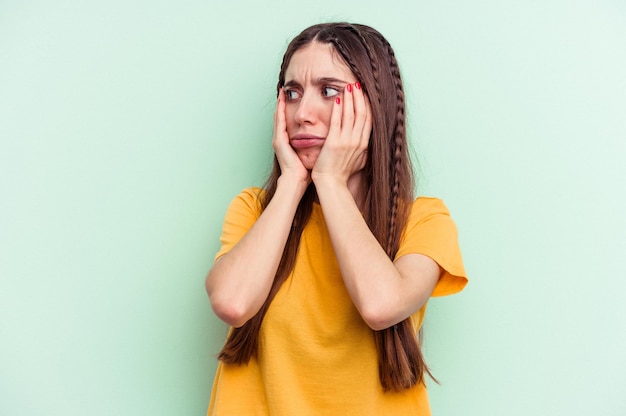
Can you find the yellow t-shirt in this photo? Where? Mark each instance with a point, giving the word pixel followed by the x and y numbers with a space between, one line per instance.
pixel 316 354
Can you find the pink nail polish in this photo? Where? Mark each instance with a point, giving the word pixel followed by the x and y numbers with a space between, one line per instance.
pixel 338 100
pixel 349 87
pixel 357 85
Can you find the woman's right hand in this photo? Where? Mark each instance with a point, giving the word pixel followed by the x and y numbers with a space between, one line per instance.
pixel 240 281
pixel 290 163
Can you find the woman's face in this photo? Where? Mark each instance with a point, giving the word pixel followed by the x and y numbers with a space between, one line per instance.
pixel 314 79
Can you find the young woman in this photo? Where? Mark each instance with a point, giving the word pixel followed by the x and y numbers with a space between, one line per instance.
pixel 325 273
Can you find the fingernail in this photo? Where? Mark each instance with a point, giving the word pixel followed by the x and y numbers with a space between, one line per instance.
pixel 338 100
pixel 357 85
pixel 349 87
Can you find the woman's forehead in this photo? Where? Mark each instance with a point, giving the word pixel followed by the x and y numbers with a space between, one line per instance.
pixel 317 60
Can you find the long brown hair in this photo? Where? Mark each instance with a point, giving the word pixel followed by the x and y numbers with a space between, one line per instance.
pixel 389 192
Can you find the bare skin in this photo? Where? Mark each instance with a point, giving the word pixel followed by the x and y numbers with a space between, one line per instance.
pixel 322 126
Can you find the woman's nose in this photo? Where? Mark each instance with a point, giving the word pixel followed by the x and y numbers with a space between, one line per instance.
pixel 306 112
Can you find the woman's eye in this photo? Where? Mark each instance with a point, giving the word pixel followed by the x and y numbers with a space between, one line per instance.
pixel 291 95
pixel 329 91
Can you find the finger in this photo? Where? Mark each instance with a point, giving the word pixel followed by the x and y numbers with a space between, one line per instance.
pixel 280 141
pixel 362 111
pixel 348 108
pixel 280 123
pixel 369 120
pixel 276 113
pixel 359 107
pixel 335 119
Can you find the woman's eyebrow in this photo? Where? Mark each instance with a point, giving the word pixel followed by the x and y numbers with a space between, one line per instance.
pixel 291 83
pixel 317 82
pixel 328 80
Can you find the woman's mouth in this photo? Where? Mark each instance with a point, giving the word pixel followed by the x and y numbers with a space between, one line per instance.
pixel 303 141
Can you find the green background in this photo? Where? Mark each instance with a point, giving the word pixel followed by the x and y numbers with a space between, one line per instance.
pixel 127 126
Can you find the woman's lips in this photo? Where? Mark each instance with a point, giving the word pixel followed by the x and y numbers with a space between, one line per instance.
pixel 303 141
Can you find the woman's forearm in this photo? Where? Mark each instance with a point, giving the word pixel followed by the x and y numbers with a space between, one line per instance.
pixel 240 280
pixel 383 292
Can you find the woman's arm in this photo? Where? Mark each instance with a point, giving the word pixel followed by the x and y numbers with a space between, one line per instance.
pixel 384 292
pixel 240 280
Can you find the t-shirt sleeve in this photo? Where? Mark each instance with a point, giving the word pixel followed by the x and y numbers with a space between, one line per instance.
pixel 241 214
pixel 431 231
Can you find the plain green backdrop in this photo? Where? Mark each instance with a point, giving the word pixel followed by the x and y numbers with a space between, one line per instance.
pixel 126 128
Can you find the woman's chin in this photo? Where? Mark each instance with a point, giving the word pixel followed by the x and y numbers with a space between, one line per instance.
pixel 308 158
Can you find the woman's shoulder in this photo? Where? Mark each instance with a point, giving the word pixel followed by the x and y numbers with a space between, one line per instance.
pixel 424 206
pixel 252 193
pixel 248 200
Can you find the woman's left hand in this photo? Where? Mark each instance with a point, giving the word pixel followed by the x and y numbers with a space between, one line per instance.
pixel 345 150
